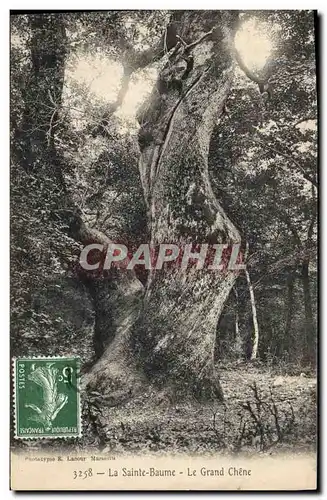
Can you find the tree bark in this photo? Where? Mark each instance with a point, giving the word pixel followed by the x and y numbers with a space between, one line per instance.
pixel 172 343
pixel 289 313
pixel 310 344
pixel 255 344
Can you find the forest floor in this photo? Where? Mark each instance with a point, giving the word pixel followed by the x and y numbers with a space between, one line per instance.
pixel 263 411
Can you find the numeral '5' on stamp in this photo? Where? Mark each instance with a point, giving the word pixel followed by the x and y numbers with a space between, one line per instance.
pixel 47 397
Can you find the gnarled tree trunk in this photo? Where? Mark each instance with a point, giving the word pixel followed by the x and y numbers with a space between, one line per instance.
pixel 164 335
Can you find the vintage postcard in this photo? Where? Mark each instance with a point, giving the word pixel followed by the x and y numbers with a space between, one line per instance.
pixel 164 198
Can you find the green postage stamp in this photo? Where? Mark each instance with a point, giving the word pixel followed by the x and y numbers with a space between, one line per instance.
pixel 47 397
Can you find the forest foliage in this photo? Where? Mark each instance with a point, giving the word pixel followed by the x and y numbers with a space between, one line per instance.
pixel 263 168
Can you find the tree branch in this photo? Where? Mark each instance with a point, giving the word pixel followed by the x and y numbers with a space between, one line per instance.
pixel 288 157
pixel 191 46
pixel 248 72
pixel 305 119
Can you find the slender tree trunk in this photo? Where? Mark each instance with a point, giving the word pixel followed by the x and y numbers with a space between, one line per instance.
pixel 238 340
pixel 310 344
pixel 286 343
pixel 172 342
pixel 255 343
pixel 237 329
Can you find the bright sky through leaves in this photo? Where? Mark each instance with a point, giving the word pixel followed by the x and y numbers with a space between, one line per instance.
pixel 253 44
pixel 103 79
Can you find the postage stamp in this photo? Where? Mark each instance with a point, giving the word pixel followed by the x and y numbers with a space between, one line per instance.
pixel 47 397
